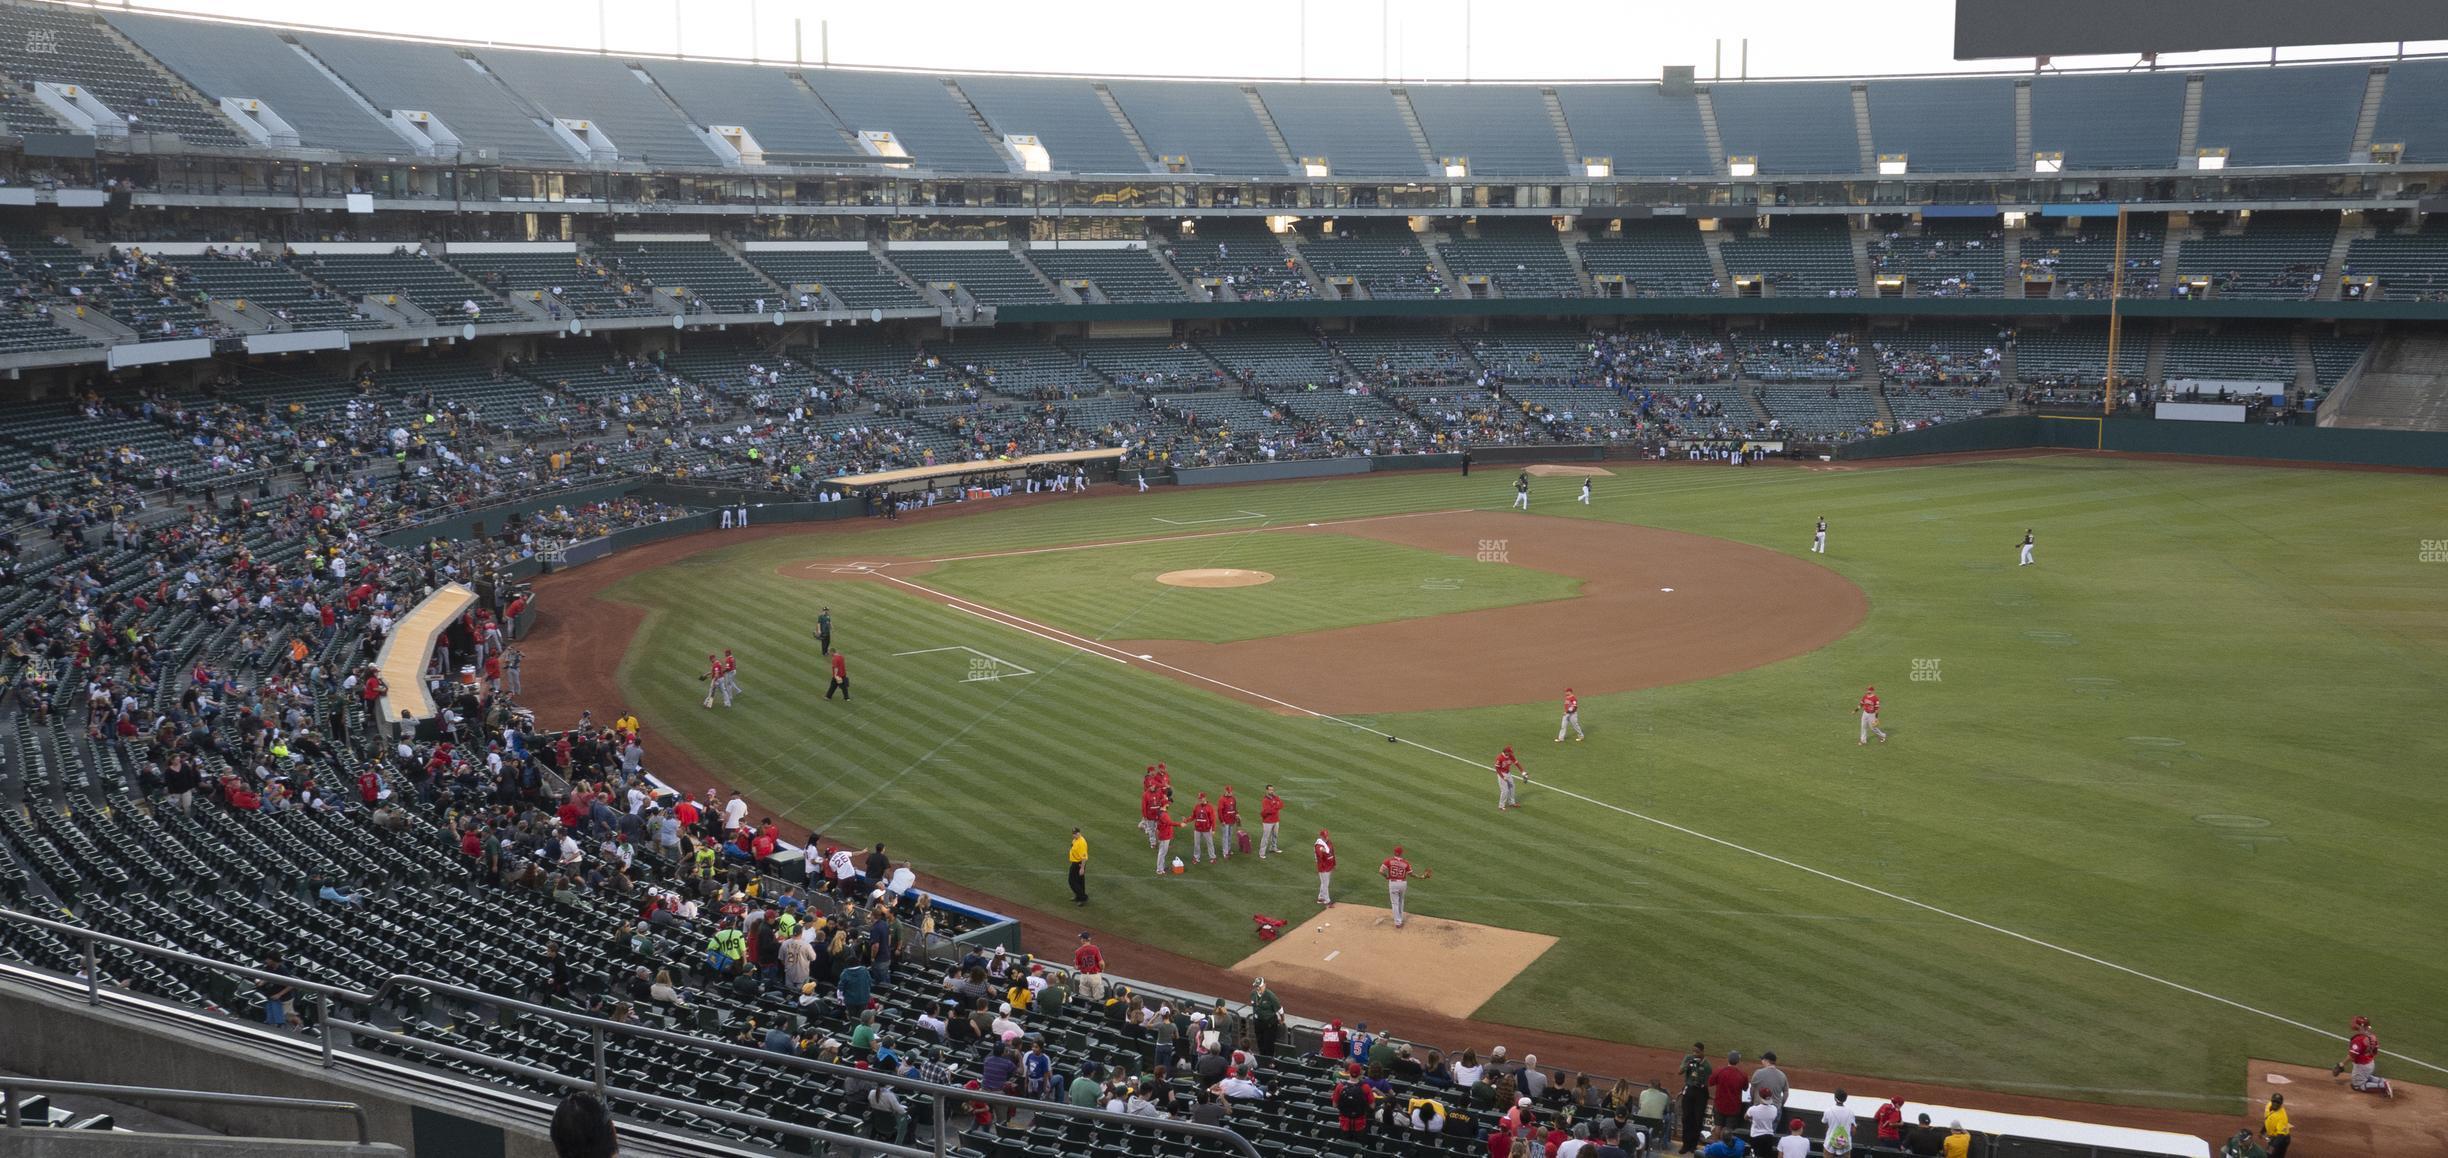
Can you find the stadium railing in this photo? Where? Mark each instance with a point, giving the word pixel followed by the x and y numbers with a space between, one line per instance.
pixel 9 1087
pixel 600 1032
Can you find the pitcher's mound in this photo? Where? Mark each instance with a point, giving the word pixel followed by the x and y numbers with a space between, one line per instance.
pixel 1447 967
pixel 1552 470
pixel 1215 577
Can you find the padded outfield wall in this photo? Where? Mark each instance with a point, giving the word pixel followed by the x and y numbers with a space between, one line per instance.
pixel 2394 448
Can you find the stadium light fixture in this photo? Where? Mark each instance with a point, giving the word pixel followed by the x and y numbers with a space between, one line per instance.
pixel 1742 166
pixel 1893 164
pixel 2048 163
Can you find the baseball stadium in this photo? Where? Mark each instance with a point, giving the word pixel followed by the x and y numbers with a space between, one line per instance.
pixel 1134 589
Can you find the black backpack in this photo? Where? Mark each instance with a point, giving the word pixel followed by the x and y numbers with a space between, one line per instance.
pixel 1351 1100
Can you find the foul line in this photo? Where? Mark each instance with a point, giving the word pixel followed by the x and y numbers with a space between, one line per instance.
pixel 1093 647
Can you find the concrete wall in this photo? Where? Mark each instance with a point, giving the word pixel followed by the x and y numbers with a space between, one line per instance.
pixel 1191 476
pixel 105 1144
pixel 2402 448
pixel 48 1035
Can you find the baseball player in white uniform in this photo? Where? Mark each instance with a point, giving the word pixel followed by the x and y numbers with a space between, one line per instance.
pixel 1521 491
pixel 2026 560
pixel 1585 492
pixel 1325 867
pixel 1572 718
pixel 1819 538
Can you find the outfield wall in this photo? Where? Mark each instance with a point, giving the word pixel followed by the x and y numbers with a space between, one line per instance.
pixel 2397 448
pixel 1481 456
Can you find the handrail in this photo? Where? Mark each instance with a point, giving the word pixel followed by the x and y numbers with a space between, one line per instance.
pixel 10 1085
pixel 603 1030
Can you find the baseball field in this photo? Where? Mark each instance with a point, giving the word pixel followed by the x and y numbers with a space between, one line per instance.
pixel 2167 800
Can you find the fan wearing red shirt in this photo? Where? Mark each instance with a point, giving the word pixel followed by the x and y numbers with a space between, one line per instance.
pixel 1202 831
pixel 1089 961
pixel 1325 867
pixel 1869 716
pixel 1164 838
pixel 841 678
pixel 1270 815
pixel 1228 820
pixel 1726 1084
pixel 1890 1123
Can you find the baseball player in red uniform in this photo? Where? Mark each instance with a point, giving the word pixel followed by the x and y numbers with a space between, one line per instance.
pixel 1506 768
pixel 730 676
pixel 2363 1056
pixel 1202 831
pixel 1869 716
pixel 1151 805
pixel 1164 838
pixel 1270 815
pixel 1325 863
pixel 1228 820
pixel 1397 873
pixel 714 681
pixel 1572 717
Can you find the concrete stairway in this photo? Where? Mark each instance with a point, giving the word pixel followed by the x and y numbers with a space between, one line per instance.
pixel 1708 130
pixel 2374 87
pixel 1563 129
pixel 2403 386
pixel 1419 134
pixel 1122 121
pixel 1712 241
pixel 2189 136
pixel 1274 135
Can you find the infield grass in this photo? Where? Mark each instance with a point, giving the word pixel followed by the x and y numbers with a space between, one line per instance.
pixel 2199 741
pixel 1321 581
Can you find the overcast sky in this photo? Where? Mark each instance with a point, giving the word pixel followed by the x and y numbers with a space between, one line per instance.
pixel 1346 39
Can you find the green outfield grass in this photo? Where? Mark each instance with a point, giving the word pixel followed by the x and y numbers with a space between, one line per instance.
pixel 1321 581
pixel 2198 741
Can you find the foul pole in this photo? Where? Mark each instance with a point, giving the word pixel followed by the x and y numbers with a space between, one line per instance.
pixel 2116 319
